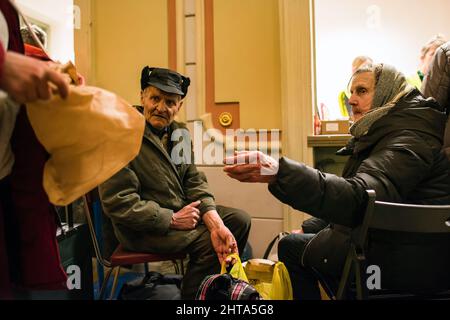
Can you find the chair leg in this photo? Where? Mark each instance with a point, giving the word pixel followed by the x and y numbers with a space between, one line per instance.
pixel 105 283
pixel 345 275
pixel 116 278
pixel 362 275
pixel 359 289
pixel 324 283
pixel 182 267
pixel 175 266
pixel 179 268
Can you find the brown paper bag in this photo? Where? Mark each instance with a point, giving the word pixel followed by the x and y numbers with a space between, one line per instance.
pixel 90 137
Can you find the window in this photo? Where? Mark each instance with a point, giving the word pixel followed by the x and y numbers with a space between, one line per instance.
pixel 392 32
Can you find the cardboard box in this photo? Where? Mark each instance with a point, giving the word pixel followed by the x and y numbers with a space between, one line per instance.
pixel 335 127
pixel 260 270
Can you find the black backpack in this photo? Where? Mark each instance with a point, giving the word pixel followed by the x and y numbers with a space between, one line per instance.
pixel 225 287
pixel 154 286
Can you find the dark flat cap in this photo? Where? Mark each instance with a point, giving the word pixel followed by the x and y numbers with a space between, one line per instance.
pixel 166 80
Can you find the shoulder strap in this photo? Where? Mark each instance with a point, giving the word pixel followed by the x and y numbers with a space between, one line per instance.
pixel 280 236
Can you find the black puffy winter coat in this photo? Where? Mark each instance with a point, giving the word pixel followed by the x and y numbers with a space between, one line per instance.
pixel 401 159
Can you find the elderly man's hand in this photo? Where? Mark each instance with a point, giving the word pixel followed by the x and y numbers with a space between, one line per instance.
pixel 252 166
pixel 223 243
pixel 222 239
pixel 26 79
pixel 187 218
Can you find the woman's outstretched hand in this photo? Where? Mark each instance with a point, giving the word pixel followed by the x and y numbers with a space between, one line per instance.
pixel 251 166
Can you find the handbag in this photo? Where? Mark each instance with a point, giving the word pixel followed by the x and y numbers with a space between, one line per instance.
pixel 228 285
pixel 327 251
pixel 75 249
pixel 267 253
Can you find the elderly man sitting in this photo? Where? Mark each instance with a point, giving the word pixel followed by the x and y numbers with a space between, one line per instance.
pixel 397 151
pixel 160 202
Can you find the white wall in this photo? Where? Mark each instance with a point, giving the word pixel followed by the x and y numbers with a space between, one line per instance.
pixel 59 15
pixel 348 28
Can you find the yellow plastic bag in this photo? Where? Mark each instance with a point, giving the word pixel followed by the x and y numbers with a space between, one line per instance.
pixel 270 279
pixel 237 271
pixel 90 136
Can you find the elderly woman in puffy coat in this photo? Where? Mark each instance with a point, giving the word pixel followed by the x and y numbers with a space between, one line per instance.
pixel 437 85
pixel 397 151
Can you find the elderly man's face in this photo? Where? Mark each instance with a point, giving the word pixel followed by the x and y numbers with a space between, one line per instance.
pixel 160 108
pixel 362 91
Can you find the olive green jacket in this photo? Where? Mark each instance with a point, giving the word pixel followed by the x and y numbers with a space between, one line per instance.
pixel 141 199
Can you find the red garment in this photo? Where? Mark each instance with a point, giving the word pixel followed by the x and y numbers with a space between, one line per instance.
pixel 15 39
pixel 29 246
pixel 40 266
pixel 35 52
pixel 2 59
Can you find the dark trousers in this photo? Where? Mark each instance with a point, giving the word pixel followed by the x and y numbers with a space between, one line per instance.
pixel 203 260
pixel 304 279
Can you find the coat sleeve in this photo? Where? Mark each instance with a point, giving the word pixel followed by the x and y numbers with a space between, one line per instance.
pixel 123 205
pixel 196 188
pixel 314 225
pixel 437 82
pixel 392 171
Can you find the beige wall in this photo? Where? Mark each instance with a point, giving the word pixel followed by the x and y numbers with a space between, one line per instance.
pixel 247 59
pixel 83 40
pixel 127 35
pixel 248 69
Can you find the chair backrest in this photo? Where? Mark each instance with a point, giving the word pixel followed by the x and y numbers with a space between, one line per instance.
pixel 422 270
pixel 411 218
pixel 403 218
pixel 414 239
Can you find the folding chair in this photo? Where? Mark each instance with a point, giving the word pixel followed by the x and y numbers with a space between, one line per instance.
pixel 397 217
pixel 121 257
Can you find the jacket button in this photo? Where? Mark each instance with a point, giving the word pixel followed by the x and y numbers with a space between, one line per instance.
pixel 325 260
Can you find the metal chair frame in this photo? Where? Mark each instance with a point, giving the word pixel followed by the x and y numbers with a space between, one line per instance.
pixel 179 269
